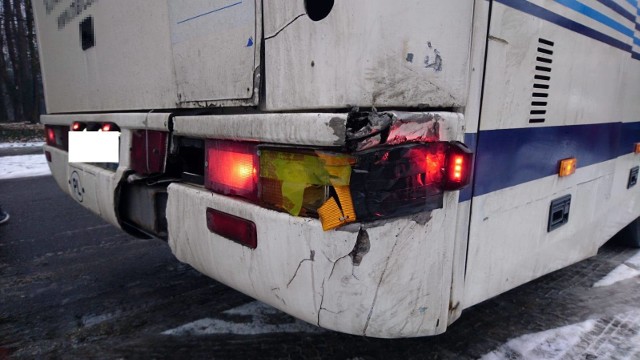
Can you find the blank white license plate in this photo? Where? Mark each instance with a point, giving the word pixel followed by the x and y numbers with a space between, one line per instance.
pixel 94 147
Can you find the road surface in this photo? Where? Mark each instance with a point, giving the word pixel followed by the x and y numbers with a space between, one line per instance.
pixel 73 286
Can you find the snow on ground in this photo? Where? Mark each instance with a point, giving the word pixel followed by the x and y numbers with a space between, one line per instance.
pixel 249 319
pixel 615 337
pixel 4 145
pixel 549 344
pixel 12 167
pixel 627 270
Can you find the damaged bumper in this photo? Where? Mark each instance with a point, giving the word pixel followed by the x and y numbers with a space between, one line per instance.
pixel 388 280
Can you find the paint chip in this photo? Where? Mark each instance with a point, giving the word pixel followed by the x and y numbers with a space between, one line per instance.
pixel 410 57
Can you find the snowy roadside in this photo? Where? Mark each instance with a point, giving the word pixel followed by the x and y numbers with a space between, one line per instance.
pixel 616 337
pixel 249 319
pixel 11 145
pixel 628 270
pixel 611 337
pixel 600 337
pixel 12 167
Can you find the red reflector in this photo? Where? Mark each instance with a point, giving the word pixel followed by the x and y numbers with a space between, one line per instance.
pixel 232 227
pixel 148 151
pixel 232 168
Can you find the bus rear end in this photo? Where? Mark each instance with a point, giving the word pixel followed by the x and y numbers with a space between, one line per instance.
pixel 308 155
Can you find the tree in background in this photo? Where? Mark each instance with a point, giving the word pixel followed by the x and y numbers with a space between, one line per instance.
pixel 20 79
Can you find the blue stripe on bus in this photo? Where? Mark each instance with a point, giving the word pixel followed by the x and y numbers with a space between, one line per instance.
pixel 470 141
pixel 509 157
pixel 619 9
pixel 636 41
pixel 635 55
pixel 630 135
pixel 596 15
pixel 562 21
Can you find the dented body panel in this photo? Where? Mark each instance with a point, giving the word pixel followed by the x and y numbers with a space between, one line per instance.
pixel 398 288
pixel 365 53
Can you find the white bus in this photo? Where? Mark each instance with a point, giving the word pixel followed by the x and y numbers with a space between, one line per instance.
pixel 371 167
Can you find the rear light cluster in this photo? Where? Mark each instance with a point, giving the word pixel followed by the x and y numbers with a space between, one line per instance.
pixel 57 136
pixel 82 126
pixel 407 179
pixel 232 169
pixel 339 188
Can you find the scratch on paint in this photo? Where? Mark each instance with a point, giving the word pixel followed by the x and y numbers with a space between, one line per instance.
pixel 209 12
pixel 437 61
pixel 375 296
pixel 409 57
pixel 284 27
pixel 500 40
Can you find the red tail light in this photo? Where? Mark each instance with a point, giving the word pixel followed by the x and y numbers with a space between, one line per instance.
pixel 78 126
pixel 435 166
pixel 148 151
pixel 51 136
pixel 232 227
pixel 109 127
pixel 458 167
pixel 57 136
pixel 407 179
pixel 231 168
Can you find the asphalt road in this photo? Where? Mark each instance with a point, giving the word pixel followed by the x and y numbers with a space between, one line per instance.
pixel 27 150
pixel 72 286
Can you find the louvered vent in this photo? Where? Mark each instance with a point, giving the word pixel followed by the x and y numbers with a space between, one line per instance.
pixel 541 80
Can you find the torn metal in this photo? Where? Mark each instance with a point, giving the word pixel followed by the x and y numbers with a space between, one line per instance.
pixel 366 130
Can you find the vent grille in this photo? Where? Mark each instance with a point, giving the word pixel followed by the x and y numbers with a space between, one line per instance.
pixel 541 81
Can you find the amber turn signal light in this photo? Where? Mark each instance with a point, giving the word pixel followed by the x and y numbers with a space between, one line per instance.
pixel 567 167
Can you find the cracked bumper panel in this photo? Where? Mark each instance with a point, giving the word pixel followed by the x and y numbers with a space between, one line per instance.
pixel 398 287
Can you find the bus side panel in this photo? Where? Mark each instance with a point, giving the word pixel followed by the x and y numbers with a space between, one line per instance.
pixel 550 93
pixel 471 116
pixel 115 73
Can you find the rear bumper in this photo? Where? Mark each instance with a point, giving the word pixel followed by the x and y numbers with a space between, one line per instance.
pixel 400 288
pixel 91 186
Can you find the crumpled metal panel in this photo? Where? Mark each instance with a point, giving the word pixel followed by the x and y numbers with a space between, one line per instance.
pixel 366 130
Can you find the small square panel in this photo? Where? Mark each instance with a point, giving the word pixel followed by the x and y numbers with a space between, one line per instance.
pixel 87 37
